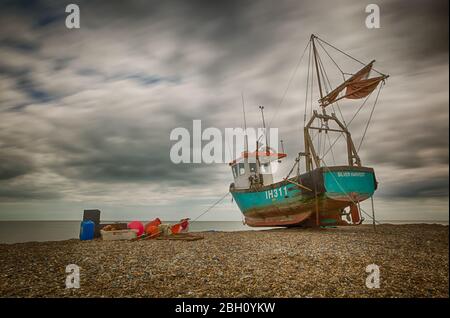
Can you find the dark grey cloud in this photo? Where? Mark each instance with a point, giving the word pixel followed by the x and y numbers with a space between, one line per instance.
pixel 19 45
pixel 25 83
pixel 27 192
pixel 93 108
pixel 429 22
pixel 12 166
pixel 431 187
pixel 96 158
pixel 424 140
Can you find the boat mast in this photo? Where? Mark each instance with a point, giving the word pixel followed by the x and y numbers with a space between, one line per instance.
pixel 264 126
pixel 245 125
pixel 317 65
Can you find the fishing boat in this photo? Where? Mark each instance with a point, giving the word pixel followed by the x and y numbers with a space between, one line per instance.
pixel 323 194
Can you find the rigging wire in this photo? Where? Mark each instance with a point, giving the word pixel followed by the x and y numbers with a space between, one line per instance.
pixel 326 80
pixel 349 123
pixel 229 150
pixel 289 85
pixel 307 87
pixel 370 117
pixel 332 152
pixel 312 89
pixel 343 76
pixel 210 207
pixel 286 90
pixel 325 142
pixel 329 83
pixel 319 143
pixel 346 54
pixel 321 69
pixel 351 120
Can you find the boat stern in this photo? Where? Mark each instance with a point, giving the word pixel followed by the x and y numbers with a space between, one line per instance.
pixel 349 183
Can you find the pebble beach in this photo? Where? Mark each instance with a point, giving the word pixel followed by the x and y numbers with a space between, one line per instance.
pixel 296 262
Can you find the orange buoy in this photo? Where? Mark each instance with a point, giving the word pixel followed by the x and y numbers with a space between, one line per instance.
pixel 152 230
pixel 176 228
pixel 180 227
pixel 153 223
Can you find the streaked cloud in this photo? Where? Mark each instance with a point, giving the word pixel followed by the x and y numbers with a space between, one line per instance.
pixel 86 114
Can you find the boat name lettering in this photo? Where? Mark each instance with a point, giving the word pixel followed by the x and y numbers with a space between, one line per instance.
pixel 351 174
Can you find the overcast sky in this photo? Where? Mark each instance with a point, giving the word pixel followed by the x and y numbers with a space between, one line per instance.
pixel 86 114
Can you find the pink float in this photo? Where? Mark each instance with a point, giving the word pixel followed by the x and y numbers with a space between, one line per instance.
pixel 136 225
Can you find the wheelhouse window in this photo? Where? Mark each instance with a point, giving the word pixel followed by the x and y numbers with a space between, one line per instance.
pixel 241 169
pixel 234 168
pixel 252 167
pixel 265 168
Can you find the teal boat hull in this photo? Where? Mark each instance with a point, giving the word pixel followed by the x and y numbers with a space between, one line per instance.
pixel 330 191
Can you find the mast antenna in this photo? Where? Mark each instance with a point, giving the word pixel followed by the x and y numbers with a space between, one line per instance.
pixel 245 124
pixel 264 126
pixel 282 148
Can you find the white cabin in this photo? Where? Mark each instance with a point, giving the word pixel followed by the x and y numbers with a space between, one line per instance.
pixel 254 168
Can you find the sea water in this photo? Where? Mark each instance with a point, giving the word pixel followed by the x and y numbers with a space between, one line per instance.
pixel 41 231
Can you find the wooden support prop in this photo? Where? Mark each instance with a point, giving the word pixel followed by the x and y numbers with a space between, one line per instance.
pixel 317 211
pixel 298 185
pixel 373 214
